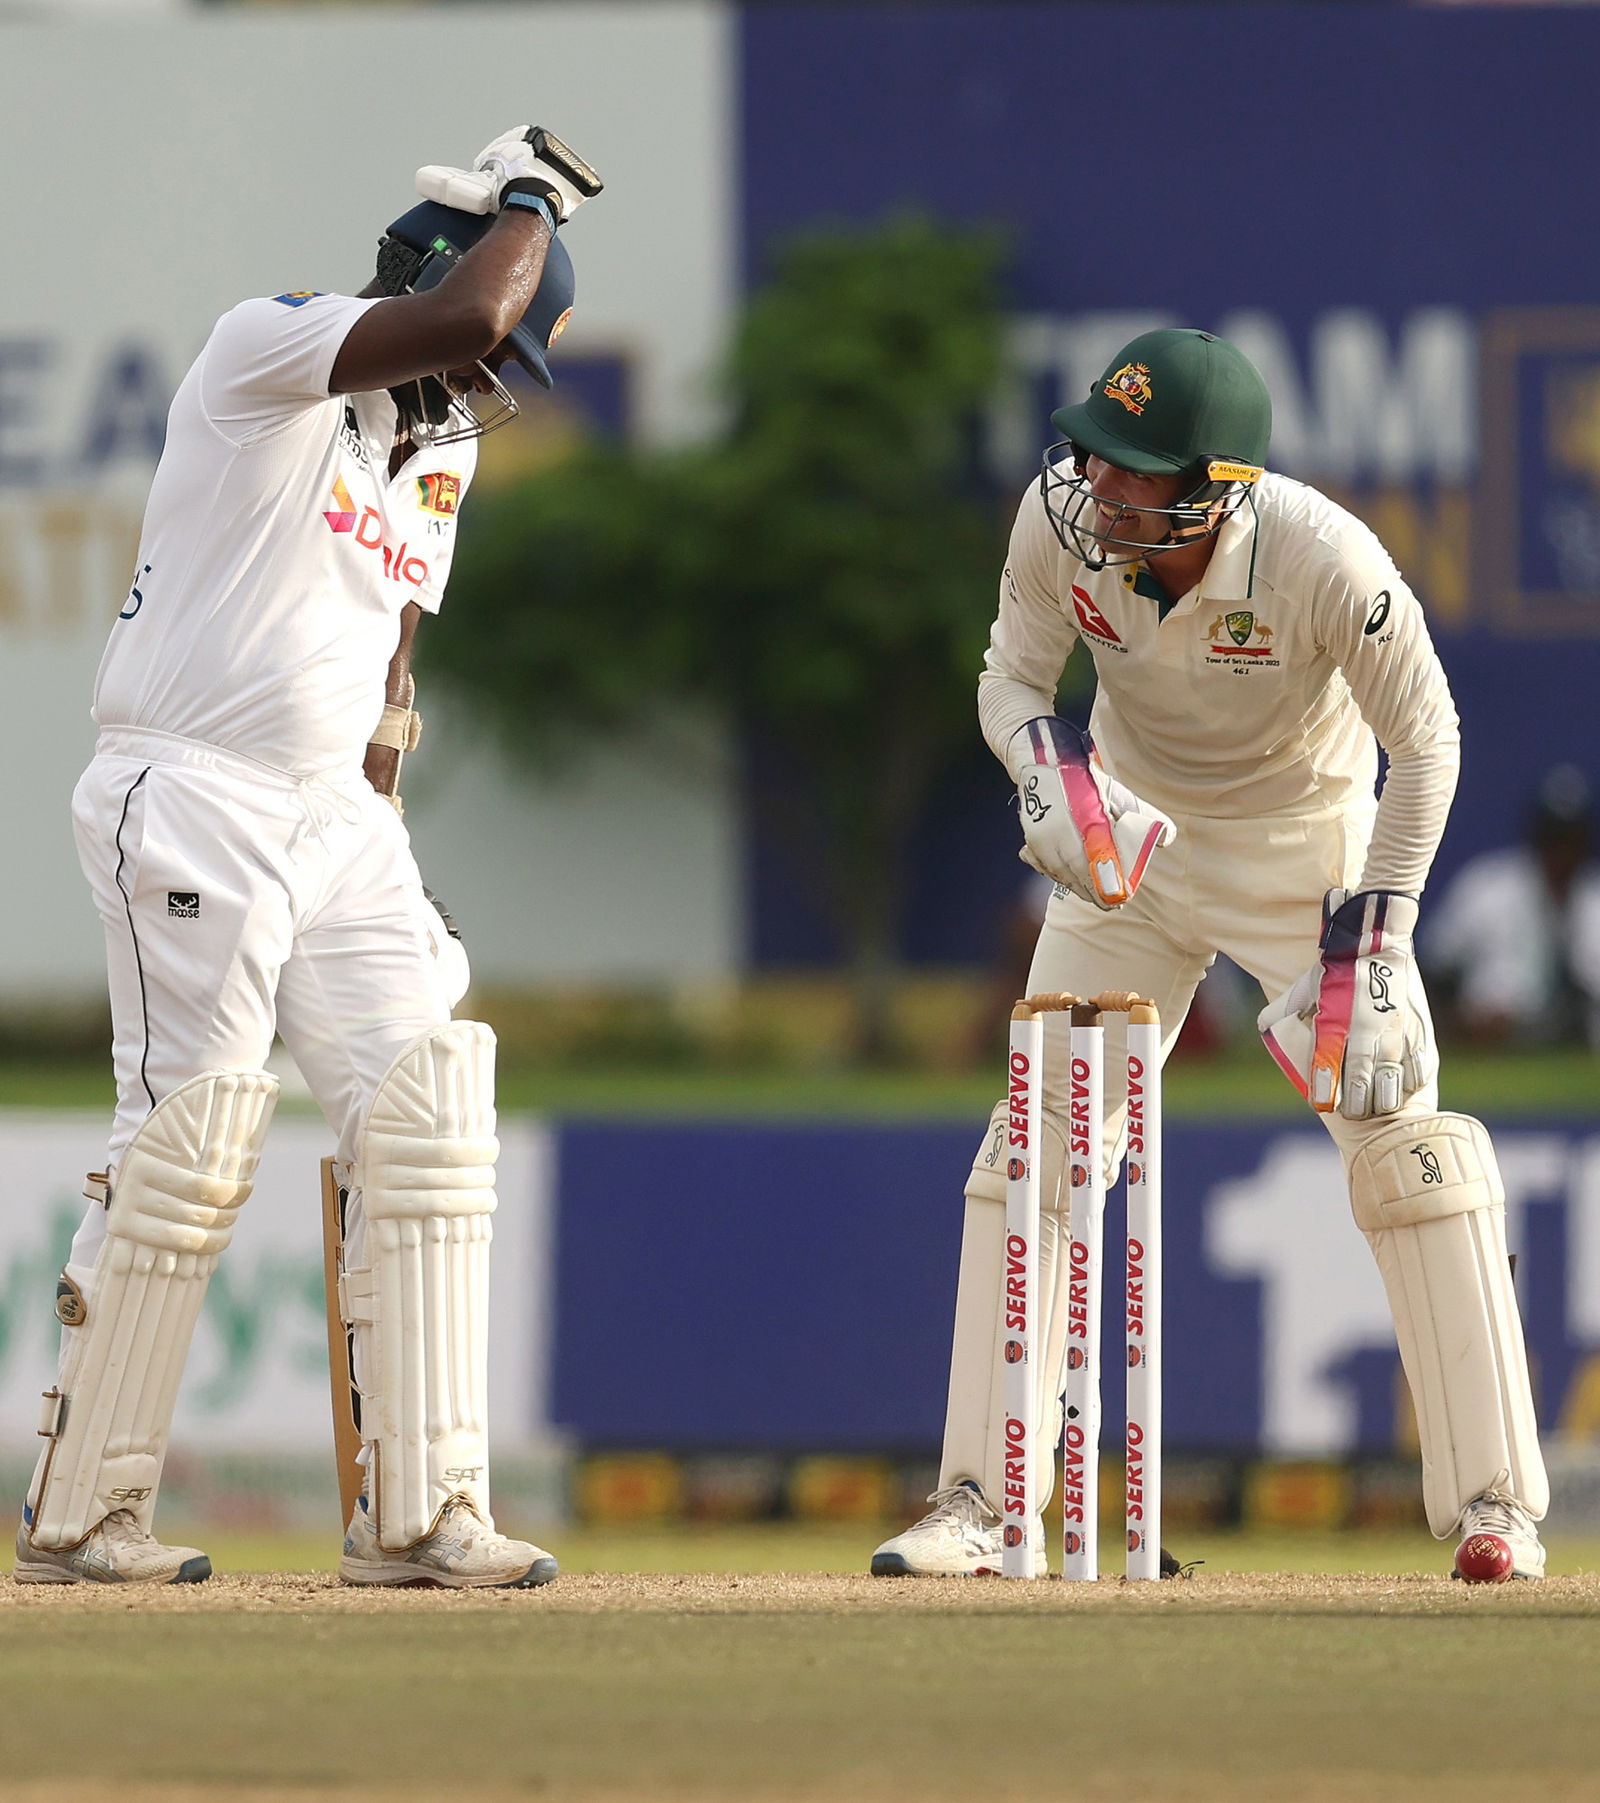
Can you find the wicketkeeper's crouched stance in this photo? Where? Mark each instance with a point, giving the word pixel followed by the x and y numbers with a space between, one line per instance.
pixel 1252 641
pixel 240 828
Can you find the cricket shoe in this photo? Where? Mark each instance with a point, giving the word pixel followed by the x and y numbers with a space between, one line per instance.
pixel 959 1537
pixel 462 1553
pixel 118 1551
pixel 1498 1516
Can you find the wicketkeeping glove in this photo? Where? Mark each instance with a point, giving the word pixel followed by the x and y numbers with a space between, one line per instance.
pixel 528 155
pixel 1081 827
pixel 1354 1035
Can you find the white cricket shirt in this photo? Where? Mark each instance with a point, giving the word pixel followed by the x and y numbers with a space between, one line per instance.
pixel 277 553
pixel 1260 692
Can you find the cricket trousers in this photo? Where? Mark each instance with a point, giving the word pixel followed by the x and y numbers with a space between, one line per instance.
pixel 239 901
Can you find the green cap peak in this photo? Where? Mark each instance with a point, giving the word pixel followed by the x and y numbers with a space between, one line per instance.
pixel 1171 399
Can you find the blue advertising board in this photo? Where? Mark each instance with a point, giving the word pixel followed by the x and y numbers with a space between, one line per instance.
pixel 791 1287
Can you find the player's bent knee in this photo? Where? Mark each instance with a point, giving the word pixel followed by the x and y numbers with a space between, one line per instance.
pixel 191 1163
pixel 986 1182
pixel 1424 1169
pixel 429 1147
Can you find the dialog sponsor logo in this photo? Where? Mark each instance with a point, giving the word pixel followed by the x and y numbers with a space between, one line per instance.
pixel 399 565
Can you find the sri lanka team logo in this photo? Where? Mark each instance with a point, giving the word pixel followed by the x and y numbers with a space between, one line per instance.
pixel 439 493
pixel 1130 386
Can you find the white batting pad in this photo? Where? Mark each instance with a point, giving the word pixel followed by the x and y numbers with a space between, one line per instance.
pixel 419 1299
pixel 976 1404
pixel 185 1175
pixel 1427 1194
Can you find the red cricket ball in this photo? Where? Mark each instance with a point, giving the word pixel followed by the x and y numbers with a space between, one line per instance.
pixel 1483 1559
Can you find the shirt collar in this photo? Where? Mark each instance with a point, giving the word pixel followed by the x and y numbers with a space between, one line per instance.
pixel 1231 573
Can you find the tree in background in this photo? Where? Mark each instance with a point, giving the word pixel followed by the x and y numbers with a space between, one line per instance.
pixel 822 573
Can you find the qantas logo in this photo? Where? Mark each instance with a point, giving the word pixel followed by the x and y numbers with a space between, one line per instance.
pixel 1092 620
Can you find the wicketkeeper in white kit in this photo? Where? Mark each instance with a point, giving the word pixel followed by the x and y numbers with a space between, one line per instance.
pixel 239 826
pixel 1254 646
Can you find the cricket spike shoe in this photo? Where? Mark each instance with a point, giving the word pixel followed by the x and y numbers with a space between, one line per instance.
pixel 1497 1518
pixel 959 1537
pixel 117 1551
pixel 462 1553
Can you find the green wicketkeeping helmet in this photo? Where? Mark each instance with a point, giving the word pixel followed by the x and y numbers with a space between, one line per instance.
pixel 1171 403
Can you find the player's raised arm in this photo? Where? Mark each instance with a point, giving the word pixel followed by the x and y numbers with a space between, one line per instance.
pixel 452 305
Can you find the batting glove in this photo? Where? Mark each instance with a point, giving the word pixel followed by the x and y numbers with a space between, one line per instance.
pixel 1354 1035
pixel 530 157
pixel 1082 828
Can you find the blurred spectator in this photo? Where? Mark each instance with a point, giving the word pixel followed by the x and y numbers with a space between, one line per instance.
pixel 1513 946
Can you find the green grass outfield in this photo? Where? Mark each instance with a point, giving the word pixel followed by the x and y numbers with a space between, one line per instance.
pixel 1244 1083
pixel 714 1681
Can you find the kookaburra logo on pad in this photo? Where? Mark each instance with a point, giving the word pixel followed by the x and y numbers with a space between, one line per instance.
pixel 1429 1160
pixel 1037 808
pixel 1378 976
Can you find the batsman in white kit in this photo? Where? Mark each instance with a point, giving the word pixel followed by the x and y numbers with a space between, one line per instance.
pixel 240 828
pixel 1254 646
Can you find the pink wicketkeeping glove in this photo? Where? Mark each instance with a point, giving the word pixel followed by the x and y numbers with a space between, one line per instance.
pixel 1353 1034
pixel 1081 827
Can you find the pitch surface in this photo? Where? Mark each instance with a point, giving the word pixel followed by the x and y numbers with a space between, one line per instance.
pixel 788 1688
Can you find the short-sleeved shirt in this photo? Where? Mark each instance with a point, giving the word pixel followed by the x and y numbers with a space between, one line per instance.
pixel 277 553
